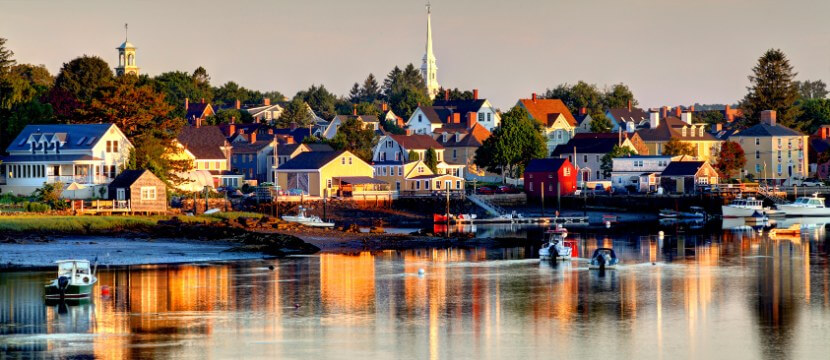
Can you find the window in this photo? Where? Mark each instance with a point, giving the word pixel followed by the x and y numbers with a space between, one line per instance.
pixel 400 170
pixel 700 131
pixel 779 143
pixel 397 156
pixel 218 165
pixel 148 193
pixel 757 154
pixel 343 161
pixel 420 169
pixel 350 160
pixel 458 184
pixel 420 118
pixel 758 168
pixel 779 155
pixel 480 117
pixel 454 155
pixel 384 170
pixel 779 168
pixel 389 143
pixel 567 171
pixel 489 117
pixel 585 158
pixel 328 183
pixel 597 175
pixel 109 146
pixel 437 184
pixel 417 185
pixel 757 141
pixel 426 184
pixel 115 146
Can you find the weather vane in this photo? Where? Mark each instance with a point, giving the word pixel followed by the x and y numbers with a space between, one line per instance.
pixel 428 6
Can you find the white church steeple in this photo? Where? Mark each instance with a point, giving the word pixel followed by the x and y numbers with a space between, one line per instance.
pixel 126 58
pixel 429 70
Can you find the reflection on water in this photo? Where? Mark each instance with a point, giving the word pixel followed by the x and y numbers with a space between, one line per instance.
pixel 735 295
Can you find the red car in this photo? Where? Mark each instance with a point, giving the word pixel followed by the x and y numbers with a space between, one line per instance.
pixel 485 190
pixel 507 189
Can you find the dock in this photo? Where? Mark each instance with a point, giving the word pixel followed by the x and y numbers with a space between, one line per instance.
pixel 561 220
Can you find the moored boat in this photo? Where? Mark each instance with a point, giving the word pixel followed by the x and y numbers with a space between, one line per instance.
pixel 303 219
pixel 604 258
pixel 75 280
pixel 742 207
pixel 555 245
pixel 806 206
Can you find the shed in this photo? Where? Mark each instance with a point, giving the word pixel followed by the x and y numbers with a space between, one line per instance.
pixel 685 176
pixel 550 177
pixel 139 191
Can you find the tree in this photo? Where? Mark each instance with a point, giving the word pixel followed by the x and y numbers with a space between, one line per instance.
pixel 512 145
pixel 229 92
pixel 730 160
pixel 815 113
pixel 224 116
pixel 82 76
pixel 143 115
pixel 618 96
pixel 772 88
pixel 413 156
pixel 370 91
pixel 675 147
pixel 6 57
pixel 295 112
pixel 456 94
pixel 405 90
pixel 616 152
pixel 354 93
pixel 431 160
pixel 710 117
pixel 575 97
pixel 366 108
pixel 320 100
pixel 354 137
pixel 600 123
pixel 812 89
pixel 179 85
pixel 50 194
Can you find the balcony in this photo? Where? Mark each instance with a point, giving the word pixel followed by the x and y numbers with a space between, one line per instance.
pixel 80 179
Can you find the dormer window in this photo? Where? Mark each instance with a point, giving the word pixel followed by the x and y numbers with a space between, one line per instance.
pixel 683 131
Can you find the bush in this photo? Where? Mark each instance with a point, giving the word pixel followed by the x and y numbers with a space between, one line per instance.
pixel 37 207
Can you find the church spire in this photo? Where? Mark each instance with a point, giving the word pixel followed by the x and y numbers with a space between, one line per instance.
pixel 428 69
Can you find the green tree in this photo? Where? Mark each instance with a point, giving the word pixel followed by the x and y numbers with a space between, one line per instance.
pixel 228 93
pixel 675 147
pixel 143 115
pixel 618 96
pixel 366 108
pixel 82 77
pixel 600 123
pixel 224 116
pixel 575 97
pixel 296 112
pixel 607 163
pixel 354 94
pixel 711 117
pixel 772 88
pixel 812 89
pixel 731 159
pixel 431 160
pixel 405 90
pixel 413 156
pixel 6 57
pixel 320 100
pixel 50 193
pixel 179 85
pixel 814 114
pixel 370 91
pixel 456 94
pixel 512 145
pixel 352 136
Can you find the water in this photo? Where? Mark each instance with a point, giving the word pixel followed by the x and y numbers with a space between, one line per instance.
pixel 719 295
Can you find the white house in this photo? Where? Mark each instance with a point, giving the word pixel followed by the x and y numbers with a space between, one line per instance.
pixel 586 150
pixel 369 122
pixel 395 149
pixel 640 171
pixel 91 155
pixel 427 119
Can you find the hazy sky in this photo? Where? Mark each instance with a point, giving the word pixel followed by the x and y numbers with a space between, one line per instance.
pixel 668 51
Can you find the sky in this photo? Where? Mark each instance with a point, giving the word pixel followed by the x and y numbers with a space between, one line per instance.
pixel 670 52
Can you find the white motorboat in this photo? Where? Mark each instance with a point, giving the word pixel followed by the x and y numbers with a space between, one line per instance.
pixel 742 207
pixel 806 206
pixel 75 280
pixel 303 219
pixel 555 245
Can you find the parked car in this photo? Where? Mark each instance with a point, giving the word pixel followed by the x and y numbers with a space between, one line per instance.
pixel 811 182
pixel 507 189
pixel 485 190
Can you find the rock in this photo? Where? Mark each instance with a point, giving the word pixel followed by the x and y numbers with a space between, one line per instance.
pixel 376 230
pixel 352 228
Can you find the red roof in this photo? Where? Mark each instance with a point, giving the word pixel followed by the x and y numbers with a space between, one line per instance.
pixel 419 142
pixel 540 109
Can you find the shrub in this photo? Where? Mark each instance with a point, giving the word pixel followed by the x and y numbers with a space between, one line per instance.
pixel 37 207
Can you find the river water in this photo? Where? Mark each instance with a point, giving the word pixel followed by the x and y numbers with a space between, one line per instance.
pixel 706 294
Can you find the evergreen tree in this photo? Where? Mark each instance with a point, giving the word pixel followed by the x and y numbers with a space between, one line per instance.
pixel 296 112
pixel 320 100
pixel 413 156
pixel 431 160
pixel 82 77
pixel 809 90
pixel 600 123
pixel 405 90
pixel 354 137
pixel 6 57
pixel 370 91
pixel 772 88
pixel 355 94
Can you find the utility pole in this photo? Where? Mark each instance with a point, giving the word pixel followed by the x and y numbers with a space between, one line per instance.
pixel 543 198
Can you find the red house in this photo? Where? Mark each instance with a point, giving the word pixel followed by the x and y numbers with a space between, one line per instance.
pixel 547 174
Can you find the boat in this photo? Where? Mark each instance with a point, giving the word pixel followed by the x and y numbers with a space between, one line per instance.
pixel 668 213
pixel 303 219
pixel 757 218
pixel 695 213
pixel 604 258
pixel 555 246
pixel 75 280
pixel 742 207
pixel 793 230
pixel 806 206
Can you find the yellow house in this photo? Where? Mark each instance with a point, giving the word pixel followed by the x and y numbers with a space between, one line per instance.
pixel 706 146
pixel 329 174
pixel 415 178
pixel 396 173
pixel 772 151
pixel 210 154
pixel 558 123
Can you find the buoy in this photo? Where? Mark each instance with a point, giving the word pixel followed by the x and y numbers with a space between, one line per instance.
pixel 271 267
pixel 296 305
pixel 421 271
pixel 607 224
pixel 660 234
pixel 105 290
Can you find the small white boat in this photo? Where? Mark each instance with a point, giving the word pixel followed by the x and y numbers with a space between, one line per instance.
pixel 303 219
pixel 668 213
pixel 742 207
pixel 555 246
pixel 75 281
pixel 806 206
pixel 604 258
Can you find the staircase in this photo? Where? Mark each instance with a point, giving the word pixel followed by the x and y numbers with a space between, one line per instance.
pixel 769 193
pixel 491 208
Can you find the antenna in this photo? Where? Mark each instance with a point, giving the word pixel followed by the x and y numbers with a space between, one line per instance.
pixel 126 32
pixel 428 7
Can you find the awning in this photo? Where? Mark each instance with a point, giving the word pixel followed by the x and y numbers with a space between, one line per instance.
pixel 360 180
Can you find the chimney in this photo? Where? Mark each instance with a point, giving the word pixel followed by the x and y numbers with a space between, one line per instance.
pixel 534 97
pixel 252 137
pixel 408 132
pixel 678 111
pixel 446 95
pixel 203 100
pixel 186 103
pixel 629 105
pixel 768 117
pixel 238 104
pixel 686 117
pixel 718 127
pixel 664 112
pixel 198 122
pixel 583 111
pixel 241 131
pixel 232 126
pixel 266 101
pixel 471 119
pixel 654 117
pixel 289 140
pixel 475 94
pixel 270 131
pixel 692 108
pixel 456 118
pixel 293 125
pixel 728 115
pixel 384 107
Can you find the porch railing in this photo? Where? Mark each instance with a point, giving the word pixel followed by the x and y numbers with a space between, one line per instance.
pixel 80 179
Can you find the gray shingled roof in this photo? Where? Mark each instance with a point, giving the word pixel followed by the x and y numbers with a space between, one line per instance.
pixel 768 130
pixel 311 160
pixel 74 136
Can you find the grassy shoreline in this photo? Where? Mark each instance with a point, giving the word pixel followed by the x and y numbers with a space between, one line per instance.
pixel 34 223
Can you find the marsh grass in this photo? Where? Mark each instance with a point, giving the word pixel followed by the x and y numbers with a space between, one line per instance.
pixel 28 222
